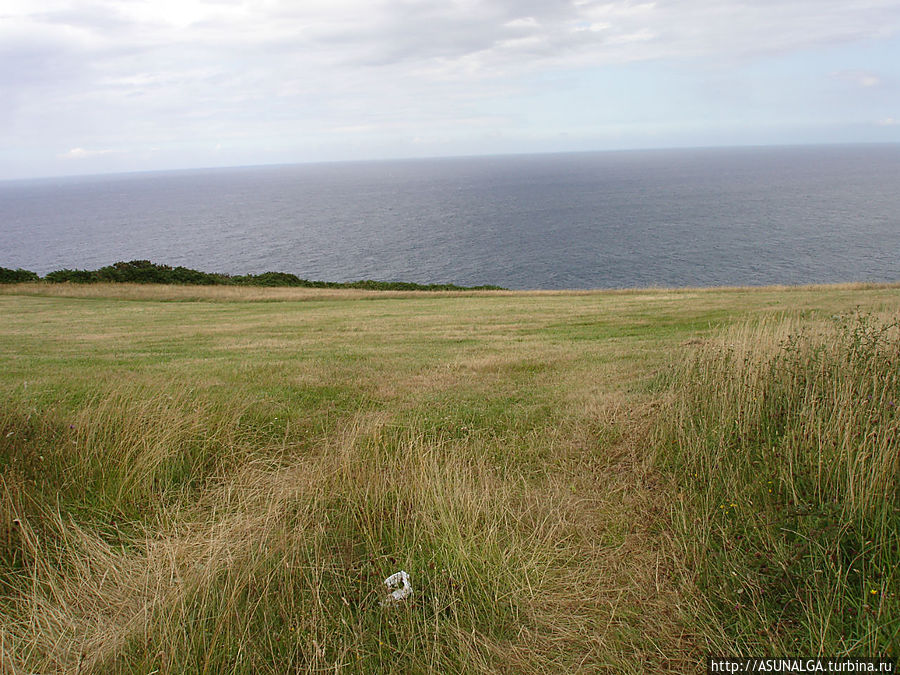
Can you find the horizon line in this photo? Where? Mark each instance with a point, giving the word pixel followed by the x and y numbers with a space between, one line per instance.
pixel 413 158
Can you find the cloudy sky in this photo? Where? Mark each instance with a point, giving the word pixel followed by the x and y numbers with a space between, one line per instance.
pixel 91 86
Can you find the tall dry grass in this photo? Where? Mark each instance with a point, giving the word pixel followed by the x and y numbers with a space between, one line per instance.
pixel 82 491
pixel 171 542
pixel 191 293
pixel 164 292
pixel 782 439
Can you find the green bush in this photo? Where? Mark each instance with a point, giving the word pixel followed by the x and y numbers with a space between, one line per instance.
pixel 17 276
pixel 187 276
pixel 270 279
pixel 136 271
pixel 370 285
pixel 72 276
pixel 146 272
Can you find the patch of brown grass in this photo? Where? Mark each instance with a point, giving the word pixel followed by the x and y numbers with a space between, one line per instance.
pixel 162 292
pixel 562 551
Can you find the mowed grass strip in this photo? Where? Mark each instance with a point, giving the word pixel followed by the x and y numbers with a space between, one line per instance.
pixel 221 484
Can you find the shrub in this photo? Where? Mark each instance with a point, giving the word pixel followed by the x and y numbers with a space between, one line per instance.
pixel 17 276
pixel 187 276
pixel 72 276
pixel 271 279
pixel 136 271
pixel 146 272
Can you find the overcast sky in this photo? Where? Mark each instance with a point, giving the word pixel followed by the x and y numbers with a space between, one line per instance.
pixel 122 85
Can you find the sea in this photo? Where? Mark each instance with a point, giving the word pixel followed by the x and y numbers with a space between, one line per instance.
pixel 670 218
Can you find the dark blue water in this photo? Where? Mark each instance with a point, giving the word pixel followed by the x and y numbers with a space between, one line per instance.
pixel 593 220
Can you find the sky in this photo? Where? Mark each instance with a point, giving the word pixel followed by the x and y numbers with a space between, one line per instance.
pixel 99 86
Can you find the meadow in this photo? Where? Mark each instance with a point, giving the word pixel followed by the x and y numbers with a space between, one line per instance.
pixel 219 479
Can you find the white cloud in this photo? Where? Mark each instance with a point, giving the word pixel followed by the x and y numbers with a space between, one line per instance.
pixel 889 122
pixel 860 78
pixel 169 74
pixel 594 27
pixel 82 153
pixel 524 22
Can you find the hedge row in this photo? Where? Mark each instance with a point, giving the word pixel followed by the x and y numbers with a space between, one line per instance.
pixel 146 272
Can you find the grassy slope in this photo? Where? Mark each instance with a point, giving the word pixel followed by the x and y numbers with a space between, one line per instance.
pixel 220 483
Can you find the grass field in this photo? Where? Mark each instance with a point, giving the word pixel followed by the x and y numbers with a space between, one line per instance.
pixel 218 480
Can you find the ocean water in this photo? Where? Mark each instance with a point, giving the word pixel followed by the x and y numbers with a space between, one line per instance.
pixel 789 215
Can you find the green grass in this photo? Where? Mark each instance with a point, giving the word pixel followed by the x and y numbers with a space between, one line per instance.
pixel 219 479
pixel 784 445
